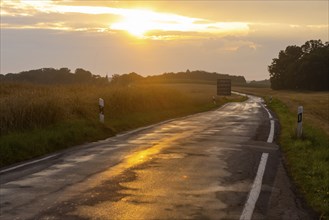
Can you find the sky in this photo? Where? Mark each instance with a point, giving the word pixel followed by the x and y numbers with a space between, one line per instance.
pixel 153 37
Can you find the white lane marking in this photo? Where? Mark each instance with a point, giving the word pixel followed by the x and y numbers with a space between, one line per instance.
pixel 269 114
pixel 271 135
pixel 28 163
pixel 255 190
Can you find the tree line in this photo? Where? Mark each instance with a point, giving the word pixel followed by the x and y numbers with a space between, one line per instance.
pixel 65 76
pixel 54 76
pixel 303 67
pixel 197 76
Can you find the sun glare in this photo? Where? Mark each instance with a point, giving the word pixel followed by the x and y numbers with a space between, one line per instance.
pixel 141 23
pixel 135 25
pixel 138 22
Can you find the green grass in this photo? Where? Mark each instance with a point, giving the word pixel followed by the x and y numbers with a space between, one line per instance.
pixel 38 120
pixel 307 158
pixel 20 146
pixel 316 104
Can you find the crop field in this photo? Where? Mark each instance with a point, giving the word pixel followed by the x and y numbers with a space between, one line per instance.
pixel 316 104
pixel 37 120
pixel 306 158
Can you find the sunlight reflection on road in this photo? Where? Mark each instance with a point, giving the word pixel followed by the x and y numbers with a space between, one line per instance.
pixel 140 157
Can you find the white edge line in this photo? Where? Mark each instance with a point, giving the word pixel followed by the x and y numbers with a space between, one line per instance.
pixel 255 190
pixel 28 163
pixel 268 112
pixel 271 135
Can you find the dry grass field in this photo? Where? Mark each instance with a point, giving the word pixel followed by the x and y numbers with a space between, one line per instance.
pixel 316 104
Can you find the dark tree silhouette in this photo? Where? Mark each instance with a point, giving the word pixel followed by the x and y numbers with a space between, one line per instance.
pixel 197 76
pixel 126 79
pixel 54 76
pixel 82 75
pixel 305 67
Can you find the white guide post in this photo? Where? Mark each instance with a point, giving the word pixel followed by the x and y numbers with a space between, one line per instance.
pixel 101 110
pixel 300 121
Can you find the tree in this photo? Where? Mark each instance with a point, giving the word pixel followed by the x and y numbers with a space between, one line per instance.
pixel 82 75
pixel 126 79
pixel 311 45
pixel 304 67
pixel 55 76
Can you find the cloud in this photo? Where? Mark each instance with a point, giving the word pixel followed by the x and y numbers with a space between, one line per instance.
pixel 321 26
pixel 223 39
pixel 138 22
pixel 227 45
pixel 142 23
pixel 23 7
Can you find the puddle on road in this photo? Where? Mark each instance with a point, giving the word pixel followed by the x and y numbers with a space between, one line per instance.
pixel 47 172
pixel 62 166
pixel 79 159
pixel 236 187
pixel 219 150
pixel 170 156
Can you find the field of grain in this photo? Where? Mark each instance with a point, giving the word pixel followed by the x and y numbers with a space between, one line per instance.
pixel 36 119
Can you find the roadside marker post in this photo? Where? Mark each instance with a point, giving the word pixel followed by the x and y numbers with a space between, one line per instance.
pixel 300 121
pixel 101 109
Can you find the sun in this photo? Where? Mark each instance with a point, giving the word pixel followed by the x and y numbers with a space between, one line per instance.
pixel 136 26
pixel 136 22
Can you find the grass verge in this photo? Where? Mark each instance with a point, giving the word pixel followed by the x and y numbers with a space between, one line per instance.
pixel 306 158
pixel 20 146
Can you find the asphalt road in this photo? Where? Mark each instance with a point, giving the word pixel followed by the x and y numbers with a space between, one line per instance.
pixel 203 166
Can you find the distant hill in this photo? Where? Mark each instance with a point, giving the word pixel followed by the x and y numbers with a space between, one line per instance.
pixel 197 76
pixel 260 83
pixel 53 76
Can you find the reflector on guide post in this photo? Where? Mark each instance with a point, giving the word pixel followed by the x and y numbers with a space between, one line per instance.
pixel 101 110
pixel 223 87
pixel 300 121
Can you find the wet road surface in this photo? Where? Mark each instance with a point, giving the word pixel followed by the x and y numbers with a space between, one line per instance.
pixel 197 167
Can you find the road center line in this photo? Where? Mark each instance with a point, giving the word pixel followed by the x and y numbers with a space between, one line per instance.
pixel 255 190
